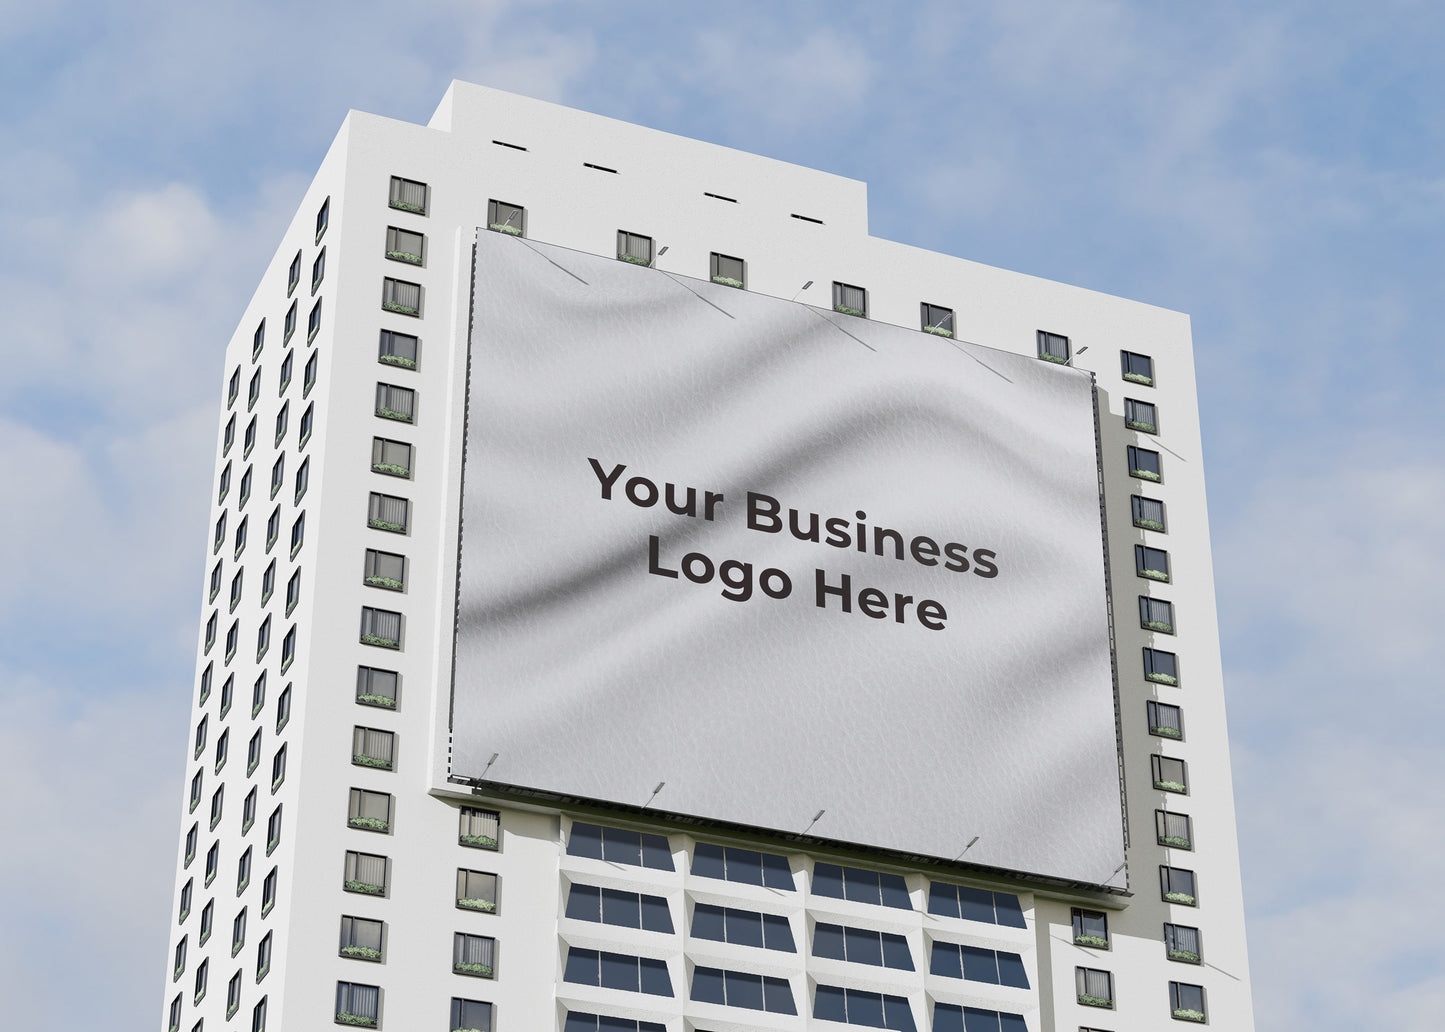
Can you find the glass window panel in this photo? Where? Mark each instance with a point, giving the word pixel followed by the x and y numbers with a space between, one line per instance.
pixel 707 861
pixel 897 1014
pixel 656 853
pixel 1011 970
pixel 743 990
pixel 976 904
pixel 865 1009
pixel 942 900
pixel 584 903
pixel 828 941
pixel 979 965
pixel 896 953
pixel 621 908
pixel 585 840
pixel 618 972
pixel 708 922
pixel 945 960
pixel 745 928
pixel 778 996
pixel 777 933
pixel 707 985
pixel 829 1004
pixel 655 915
pixel 863 946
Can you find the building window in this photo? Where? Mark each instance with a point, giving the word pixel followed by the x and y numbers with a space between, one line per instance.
pixel 253 753
pixel 369 811
pixel 303 478
pixel 480 829
pixel 236 585
pixel 278 474
pixel 380 627
pixel 250 439
pixel 373 748
pixel 376 687
pixel 248 811
pixel 263 638
pixel 740 989
pixel 243 871
pixel 220 534
pixel 1186 1002
pixel 216 580
pixel 619 846
pixel 263 957
pixel 310 373
pixel 948 1017
pixel 206 674
pixel 298 534
pixel 234 388
pixel 742 928
pixel 211 630
pixel 729 271
pixel 850 300
pixel 224 487
pixel 1144 464
pixel 218 803
pixel 318 271
pixel 579 1022
pixel 233 995
pixel 475 955
pixel 197 789
pixel 390 457
pixel 228 436
pixel 283 706
pixel 634 248
pixel 1137 368
pixel 1095 988
pixel 1151 563
pixel 365 873
pixel 360 938
pixel 290 325
pixel 268 891
pixel 175 1018
pixel 227 694
pixel 617 907
pixel 185 907
pixel 936 319
pixel 288 365
pixel 477 890
pixel 1148 513
pixel 273 823
pixel 1174 829
pixel 1169 774
pixel 387 512
pixel 1155 614
pixel 323 219
pixel 402 245
pixel 397 349
pixel 1000 908
pixel 397 403
pixel 859 1007
pixel 308 418
pixel 203 971
pixel 258 340
pixel 742 865
pixel 401 296
pixel 293 275
pixel 293 592
pixel 238 932
pixel 1176 885
pixel 969 962
pixel 1053 347
pixel 860 886
pixel 507 218
pixel 245 488
pixel 222 748
pixel 201 728
pixel 1181 943
pixel 313 323
pixel 408 195
pixel 179 967
pixel 866 946
pixel 288 648
pixel 618 971
pixel 1161 667
pixel 1091 928
pixel 1140 415
pixel 278 768
pixel 357 1004
pixel 208 920
pixel 191 837
pixel 476 1016
pixel 1165 720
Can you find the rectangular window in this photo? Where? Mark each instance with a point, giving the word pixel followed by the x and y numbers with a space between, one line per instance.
pixel 268 891
pixel 365 873
pixel 861 886
pixel 278 768
pixel 288 649
pixel 397 403
pixel 867 946
pixel 283 707
pixel 729 271
pixel 1001 908
pixel 477 890
pixel 263 957
pixel 245 488
pixel 403 245
pixel 360 938
pixel 390 457
pixel 211 630
pixel 1155 614
pixel 303 477
pixel 233 995
pixel 618 907
pixel 234 387
pixel 200 738
pixel 480 829
pixel 224 488
pixel 263 638
pixel 1148 513
pixel 208 920
pixel 185 907
pixel 1165 720
pixel 253 754
pixel 474 955
pixel 278 474
pixel 742 865
pixel 268 579
pixel 213 862
pixel 191 837
pixel 850 300
pixel 1095 988
pixel 860 1007
pixel 357 1004
pixel 1170 774
pixel 228 436
pixel 1161 667
pixel 293 275
pixel 1053 347
pixel 369 811
pixel 977 964
pixel 387 512
pixel 220 534
pixel 293 592
pixel 476 1016
pixel 740 989
pixel 175 1018
pixel 273 823
pixel 400 296
pixel 298 534
pixel 380 627
pixel 243 871
pixel 290 325
pixel 227 691
pixel 1137 368
pixel 1140 415
pixel 308 419
pixel 1176 885
pixel 238 932
pixel 203 970
pixel 634 248
pixel 1091 928
pixel 318 271
pixel 233 638
pixel 250 441
pixel 373 748
pixel 310 373
pixel 507 218
pixel 205 692
pixel 313 322
pixel 1186 1002
pixel 323 219
pixel 1175 830
pixel 397 349
pixel 1144 464
pixel 258 340
pixel 618 971
pixel 742 928
pixel 288 366
pixel 1151 563
pixel 1181 943
pixel 236 585
pixel 248 811
pixel 619 846
pixel 376 687
pixel 408 195
pixel 223 747
pixel 936 319
pixel 384 570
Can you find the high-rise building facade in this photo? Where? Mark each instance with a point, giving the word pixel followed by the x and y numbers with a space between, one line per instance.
pixel 338 862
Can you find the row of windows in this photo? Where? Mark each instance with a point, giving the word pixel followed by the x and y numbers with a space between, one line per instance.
pixel 1181 942
pixel 1095 988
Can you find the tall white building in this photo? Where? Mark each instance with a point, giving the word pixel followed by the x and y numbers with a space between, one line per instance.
pixel 333 868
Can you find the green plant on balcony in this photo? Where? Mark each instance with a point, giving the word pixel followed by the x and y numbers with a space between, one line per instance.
pixel 367 888
pixel 1147 381
pixel 1148 524
pixel 1180 897
pixel 847 311
pixel 276 783
pixel 390 468
pixel 368 823
pixel 1059 359
pixel 386 413
pixel 377 581
pixel 462 967
pixel 241 886
pixel 1146 474
pixel 1094 1001
pixel 400 309
pixel 247 826
pixel 1188 1014
pixel 1169 786
pixel 1139 424
pixel 371 761
pixel 1091 940
pixel 376 639
pixel 346 1018
pixel 728 281
pixel 405 206
pixel 1159 625
pixel 376 524
pixel 466 1030
pixel 486 906
pixel 1175 840
pixel 480 841
pixel 399 360
pixel 361 952
pixel 1187 956
pixel 404 256
pixel 941 331
pixel 634 259
pixel 198 997
pixel 1166 732
pixel 236 947
pixel 503 227
pixel 1157 678
pixel 1158 575
pixel 377 700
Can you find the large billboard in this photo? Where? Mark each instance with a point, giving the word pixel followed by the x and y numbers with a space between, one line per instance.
pixel 781 560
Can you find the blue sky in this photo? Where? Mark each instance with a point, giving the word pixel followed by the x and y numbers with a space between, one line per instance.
pixel 1276 170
